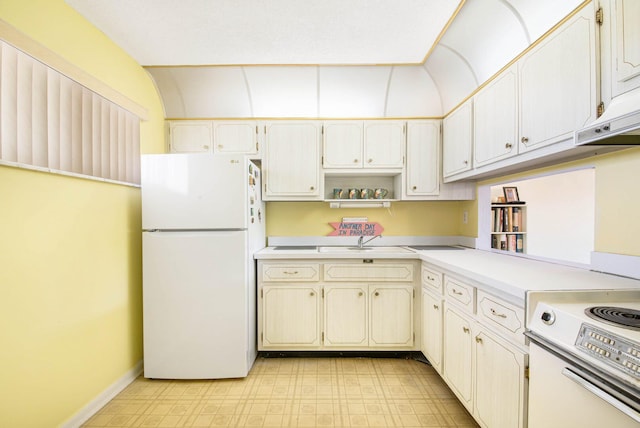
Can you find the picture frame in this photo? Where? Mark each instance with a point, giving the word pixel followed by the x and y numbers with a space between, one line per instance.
pixel 511 194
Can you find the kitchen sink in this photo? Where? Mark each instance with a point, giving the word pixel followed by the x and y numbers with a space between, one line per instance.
pixel 338 249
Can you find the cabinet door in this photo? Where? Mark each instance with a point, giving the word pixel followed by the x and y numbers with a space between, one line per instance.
pixel 391 319
pixel 558 84
pixel 458 355
pixel 432 329
pixel 383 144
pixel 423 158
pixel 190 136
pixel 500 383
pixel 345 316
pixel 291 163
pixel 495 118
pixel 290 316
pixel 235 137
pixel 626 45
pixel 457 140
pixel 342 144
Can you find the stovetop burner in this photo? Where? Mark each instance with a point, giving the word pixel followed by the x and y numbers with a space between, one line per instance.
pixel 620 317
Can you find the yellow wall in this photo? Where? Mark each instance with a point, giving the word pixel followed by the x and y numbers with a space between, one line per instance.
pixel 403 218
pixel 70 249
pixel 617 202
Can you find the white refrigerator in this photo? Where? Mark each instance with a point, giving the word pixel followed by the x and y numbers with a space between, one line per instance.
pixel 202 220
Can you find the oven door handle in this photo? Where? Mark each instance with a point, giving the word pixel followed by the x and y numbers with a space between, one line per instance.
pixel 580 380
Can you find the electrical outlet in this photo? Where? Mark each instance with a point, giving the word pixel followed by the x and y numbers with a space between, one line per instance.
pixel 465 217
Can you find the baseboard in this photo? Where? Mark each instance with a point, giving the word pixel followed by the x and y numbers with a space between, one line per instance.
pixel 107 395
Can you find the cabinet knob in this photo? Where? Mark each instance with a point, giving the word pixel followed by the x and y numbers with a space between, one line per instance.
pixel 414 188
pixel 220 146
pixel 360 294
pixel 436 307
pixel 376 294
pixel 370 160
pixel 524 140
pixel 312 188
pixel 508 146
pixel 478 339
pixel 465 329
pixel 205 147
pixel 312 294
pixel 466 162
pixel 355 161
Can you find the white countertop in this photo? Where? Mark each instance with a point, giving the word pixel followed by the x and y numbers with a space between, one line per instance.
pixel 508 276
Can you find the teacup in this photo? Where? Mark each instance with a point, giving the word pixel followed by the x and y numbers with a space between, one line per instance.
pixel 380 193
pixel 366 193
pixel 354 193
pixel 338 193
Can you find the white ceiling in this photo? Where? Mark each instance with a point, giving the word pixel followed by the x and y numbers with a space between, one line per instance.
pixel 241 32
pixel 321 58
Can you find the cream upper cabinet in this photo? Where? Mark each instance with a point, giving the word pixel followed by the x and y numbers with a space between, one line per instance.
pixel 363 144
pixel 495 118
pixel 190 136
pixel 432 309
pixel 383 144
pixel 291 161
pixel 342 146
pixel 423 158
pixel 457 138
pixel 558 85
pixel 500 384
pixel 236 137
pixel 625 45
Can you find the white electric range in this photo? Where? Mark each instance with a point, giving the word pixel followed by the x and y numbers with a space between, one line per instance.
pixel 584 358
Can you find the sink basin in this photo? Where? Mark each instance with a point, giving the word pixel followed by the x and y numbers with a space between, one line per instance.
pixel 363 250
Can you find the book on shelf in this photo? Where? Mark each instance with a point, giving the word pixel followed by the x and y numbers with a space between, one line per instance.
pixel 516 219
pixel 519 243
pixel 511 243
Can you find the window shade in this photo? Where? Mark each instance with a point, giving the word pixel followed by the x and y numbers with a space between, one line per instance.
pixel 51 122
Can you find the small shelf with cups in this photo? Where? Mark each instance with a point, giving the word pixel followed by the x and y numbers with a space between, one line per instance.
pixel 357 190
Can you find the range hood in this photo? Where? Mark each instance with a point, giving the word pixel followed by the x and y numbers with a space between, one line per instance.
pixel 618 126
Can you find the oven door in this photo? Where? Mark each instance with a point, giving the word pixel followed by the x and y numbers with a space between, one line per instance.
pixel 565 393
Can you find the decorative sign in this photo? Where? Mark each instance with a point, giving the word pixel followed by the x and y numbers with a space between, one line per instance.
pixel 356 229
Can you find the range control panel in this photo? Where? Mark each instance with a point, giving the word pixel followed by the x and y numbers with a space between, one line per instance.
pixel 620 353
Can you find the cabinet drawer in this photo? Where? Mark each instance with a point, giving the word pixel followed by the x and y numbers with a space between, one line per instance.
pixel 503 316
pixel 368 272
pixel 307 272
pixel 460 293
pixel 432 279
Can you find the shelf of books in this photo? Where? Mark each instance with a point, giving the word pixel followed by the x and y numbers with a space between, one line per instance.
pixel 508 230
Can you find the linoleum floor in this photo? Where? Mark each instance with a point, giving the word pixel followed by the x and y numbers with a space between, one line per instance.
pixel 294 392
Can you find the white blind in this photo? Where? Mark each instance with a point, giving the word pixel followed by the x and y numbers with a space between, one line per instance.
pixel 51 122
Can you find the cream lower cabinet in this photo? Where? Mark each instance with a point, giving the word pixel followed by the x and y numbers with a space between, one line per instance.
pixel 291 316
pixel 484 357
pixel 377 316
pixel 500 384
pixel 333 305
pixel 458 354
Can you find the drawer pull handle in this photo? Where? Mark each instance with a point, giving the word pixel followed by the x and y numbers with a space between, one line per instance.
pixel 459 293
pixel 496 314
pixel 287 272
pixel 465 329
pixel 430 279
pixel 478 339
pixel 436 307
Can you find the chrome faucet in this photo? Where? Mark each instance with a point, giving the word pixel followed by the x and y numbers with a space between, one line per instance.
pixel 361 239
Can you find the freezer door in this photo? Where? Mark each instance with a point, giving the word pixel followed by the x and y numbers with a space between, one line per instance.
pixel 194 191
pixel 198 302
